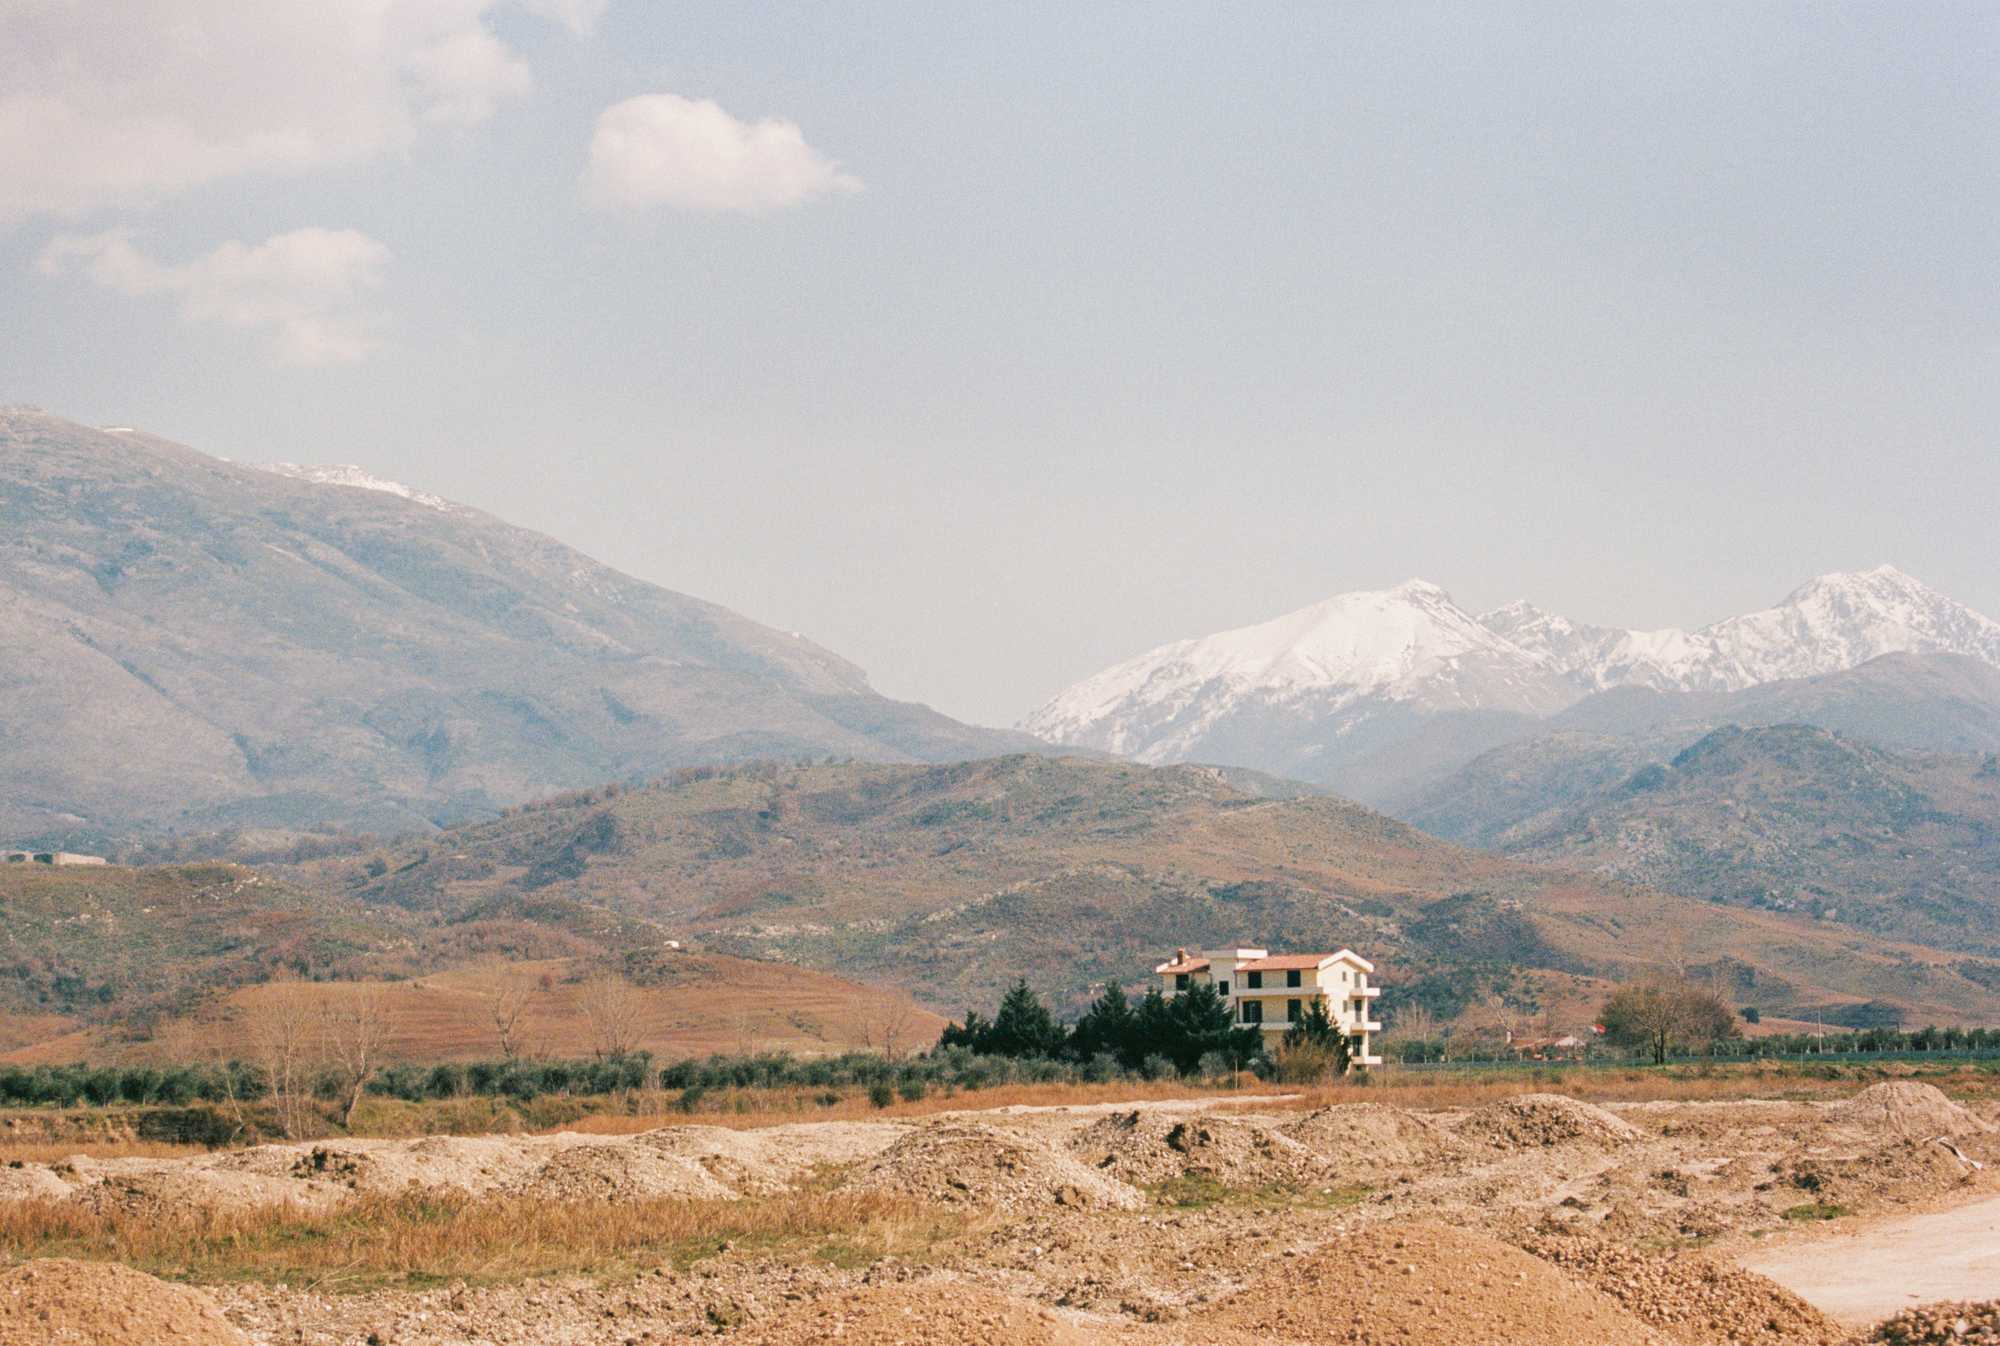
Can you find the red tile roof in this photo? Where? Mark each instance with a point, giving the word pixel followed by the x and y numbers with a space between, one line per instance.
pixel 1191 965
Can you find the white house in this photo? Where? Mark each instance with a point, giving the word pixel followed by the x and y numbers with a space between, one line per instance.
pixel 1270 991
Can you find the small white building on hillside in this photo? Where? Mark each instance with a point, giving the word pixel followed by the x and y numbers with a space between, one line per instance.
pixel 1269 991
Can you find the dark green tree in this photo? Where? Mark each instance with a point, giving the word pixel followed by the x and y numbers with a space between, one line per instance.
pixel 1199 1021
pixel 1024 1026
pixel 1152 1029
pixel 1108 1026
pixel 972 1034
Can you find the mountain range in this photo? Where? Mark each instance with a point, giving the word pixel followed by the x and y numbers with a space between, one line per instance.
pixel 193 643
pixel 1383 694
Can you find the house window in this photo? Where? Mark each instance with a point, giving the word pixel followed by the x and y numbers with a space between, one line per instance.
pixel 1253 1011
pixel 1180 981
pixel 1292 977
pixel 1222 987
pixel 1295 1010
pixel 1254 980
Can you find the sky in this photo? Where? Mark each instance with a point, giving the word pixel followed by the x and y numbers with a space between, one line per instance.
pixel 989 345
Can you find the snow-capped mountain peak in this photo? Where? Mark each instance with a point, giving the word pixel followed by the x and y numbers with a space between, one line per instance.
pixel 1841 620
pixel 1293 685
pixel 351 474
pixel 1407 645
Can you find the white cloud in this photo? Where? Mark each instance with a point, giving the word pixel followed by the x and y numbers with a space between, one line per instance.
pixel 664 150
pixel 308 290
pixel 111 104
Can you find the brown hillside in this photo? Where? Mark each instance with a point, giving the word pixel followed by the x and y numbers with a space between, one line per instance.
pixel 172 961
pixel 952 881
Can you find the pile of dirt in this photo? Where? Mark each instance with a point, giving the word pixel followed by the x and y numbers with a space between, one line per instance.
pixel 1693 1298
pixel 166 1188
pixel 57 1302
pixel 1905 1171
pixel 617 1172
pixel 968 1163
pixel 772 1159
pixel 1144 1148
pixel 915 1315
pixel 1537 1121
pixel 1418 1285
pixel 1941 1325
pixel 1905 1110
pixel 29 1182
pixel 1364 1141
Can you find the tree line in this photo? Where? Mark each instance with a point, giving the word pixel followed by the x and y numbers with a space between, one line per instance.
pixel 1194 1033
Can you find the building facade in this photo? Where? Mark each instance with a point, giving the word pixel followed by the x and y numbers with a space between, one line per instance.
pixel 1270 991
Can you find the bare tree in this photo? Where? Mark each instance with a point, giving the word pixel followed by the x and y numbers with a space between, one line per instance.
pixel 284 1036
pixel 1663 1015
pixel 613 1006
pixel 194 1040
pixel 1412 1023
pixel 353 1030
pixel 887 1027
pixel 506 997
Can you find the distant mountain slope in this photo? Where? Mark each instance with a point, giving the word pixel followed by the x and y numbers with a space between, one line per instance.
pixel 192 642
pixel 1786 818
pixel 1928 703
pixel 169 961
pixel 1380 695
pixel 951 881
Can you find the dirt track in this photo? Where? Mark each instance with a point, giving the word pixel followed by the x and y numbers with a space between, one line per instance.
pixel 1880 1269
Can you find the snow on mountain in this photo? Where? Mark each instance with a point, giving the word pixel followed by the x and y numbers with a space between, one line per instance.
pixel 350 474
pixel 1305 680
pixel 1410 645
pixel 1829 624
pixel 1843 620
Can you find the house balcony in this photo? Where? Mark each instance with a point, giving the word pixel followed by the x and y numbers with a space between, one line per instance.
pixel 1369 991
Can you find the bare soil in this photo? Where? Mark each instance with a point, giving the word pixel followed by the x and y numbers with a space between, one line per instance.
pixel 57 1302
pixel 1539 1218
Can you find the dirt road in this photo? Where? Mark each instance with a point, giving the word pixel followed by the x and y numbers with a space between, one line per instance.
pixel 1887 1267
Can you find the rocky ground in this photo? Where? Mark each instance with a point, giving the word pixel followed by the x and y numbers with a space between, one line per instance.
pixel 1537 1219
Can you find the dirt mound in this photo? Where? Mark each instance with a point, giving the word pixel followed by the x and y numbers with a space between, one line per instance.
pixel 1907 1170
pixel 617 1172
pixel 57 1302
pixel 1536 1121
pixel 169 1190
pixel 772 1159
pixel 1906 1110
pixel 1363 1140
pixel 1941 1325
pixel 968 1163
pixel 1692 1298
pixel 1144 1148
pixel 28 1182
pixel 1420 1285
pixel 905 1315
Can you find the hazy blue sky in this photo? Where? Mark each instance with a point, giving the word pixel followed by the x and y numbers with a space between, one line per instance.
pixel 1046 333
